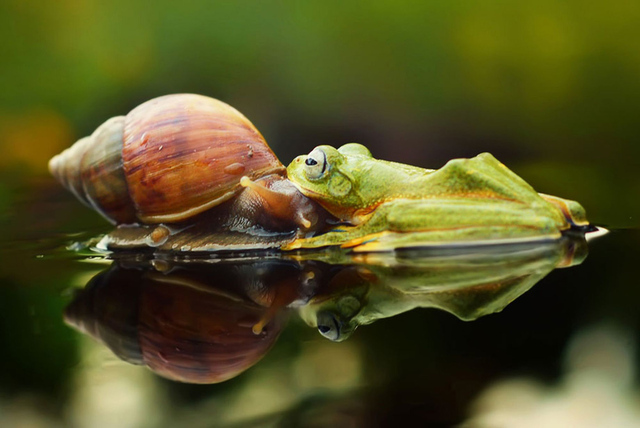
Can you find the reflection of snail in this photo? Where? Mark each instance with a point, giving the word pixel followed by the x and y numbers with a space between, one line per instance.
pixel 175 157
pixel 202 325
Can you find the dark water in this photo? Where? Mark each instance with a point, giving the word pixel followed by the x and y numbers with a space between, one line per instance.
pixel 520 335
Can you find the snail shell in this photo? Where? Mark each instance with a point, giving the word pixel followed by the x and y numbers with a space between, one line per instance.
pixel 167 160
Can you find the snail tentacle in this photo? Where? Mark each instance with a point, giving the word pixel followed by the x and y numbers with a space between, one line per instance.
pixel 284 201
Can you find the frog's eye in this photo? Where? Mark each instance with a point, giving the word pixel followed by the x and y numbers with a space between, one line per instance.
pixel 316 164
pixel 328 325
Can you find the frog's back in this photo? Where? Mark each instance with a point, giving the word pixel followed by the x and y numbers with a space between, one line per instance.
pixel 379 181
pixel 481 176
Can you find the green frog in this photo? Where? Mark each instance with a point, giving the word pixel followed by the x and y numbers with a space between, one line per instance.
pixel 382 205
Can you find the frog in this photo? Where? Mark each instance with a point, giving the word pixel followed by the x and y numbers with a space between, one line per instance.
pixel 381 205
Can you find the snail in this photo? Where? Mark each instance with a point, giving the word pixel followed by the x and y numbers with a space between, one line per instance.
pixel 175 157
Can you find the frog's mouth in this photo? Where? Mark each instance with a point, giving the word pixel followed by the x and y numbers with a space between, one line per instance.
pixel 318 197
pixel 345 214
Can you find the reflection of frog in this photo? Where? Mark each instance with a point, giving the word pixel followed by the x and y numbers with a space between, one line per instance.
pixel 467 283
pixel 476 199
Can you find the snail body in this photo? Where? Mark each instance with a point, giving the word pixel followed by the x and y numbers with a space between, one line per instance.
pixel 175 157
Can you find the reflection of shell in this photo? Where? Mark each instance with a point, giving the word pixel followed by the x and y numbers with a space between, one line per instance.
pixel 205 338
pixel 107 309
pixel 182 329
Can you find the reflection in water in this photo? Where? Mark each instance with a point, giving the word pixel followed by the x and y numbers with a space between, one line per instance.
pixel 195 325
pixel 467 283
pixel 206 321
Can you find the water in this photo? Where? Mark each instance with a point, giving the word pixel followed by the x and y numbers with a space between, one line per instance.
pixel 528 334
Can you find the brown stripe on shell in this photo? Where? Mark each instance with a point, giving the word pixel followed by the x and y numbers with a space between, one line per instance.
pixel 65 167
pixel 180 153
pixel 103 179
pixel 190 333
pixel 92 170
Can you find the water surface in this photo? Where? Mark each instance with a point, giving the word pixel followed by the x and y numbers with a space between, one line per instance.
pixel 332 340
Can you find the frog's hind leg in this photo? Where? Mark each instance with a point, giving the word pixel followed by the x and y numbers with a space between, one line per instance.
pixel 573 212
pixel 449 214
pixel 481 177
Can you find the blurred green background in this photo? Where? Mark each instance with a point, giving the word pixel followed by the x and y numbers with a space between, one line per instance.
pixel 549 87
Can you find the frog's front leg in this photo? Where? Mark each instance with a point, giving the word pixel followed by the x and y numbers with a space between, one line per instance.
pixel 343 234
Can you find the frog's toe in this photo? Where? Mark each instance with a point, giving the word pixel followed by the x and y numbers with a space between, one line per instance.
pixel 572 211
pixel 576 214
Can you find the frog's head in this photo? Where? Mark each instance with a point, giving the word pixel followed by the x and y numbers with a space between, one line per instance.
pixel 332 177
pixel 340 305
pixel 337 322
pixel 337 315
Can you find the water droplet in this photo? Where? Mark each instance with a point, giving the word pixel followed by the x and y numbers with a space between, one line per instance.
pixel 161 265
pixel 159 235
pixel 234 169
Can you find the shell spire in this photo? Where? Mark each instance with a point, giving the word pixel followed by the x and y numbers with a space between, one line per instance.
pixel 92 170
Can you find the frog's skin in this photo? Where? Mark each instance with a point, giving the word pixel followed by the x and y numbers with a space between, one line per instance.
pixel 466 201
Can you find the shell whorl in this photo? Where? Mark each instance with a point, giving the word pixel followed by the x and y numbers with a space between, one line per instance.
pixel 92 170
pixel 186 153
pixel 169 159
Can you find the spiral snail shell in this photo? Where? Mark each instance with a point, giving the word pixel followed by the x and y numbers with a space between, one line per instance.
pixel 167 160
